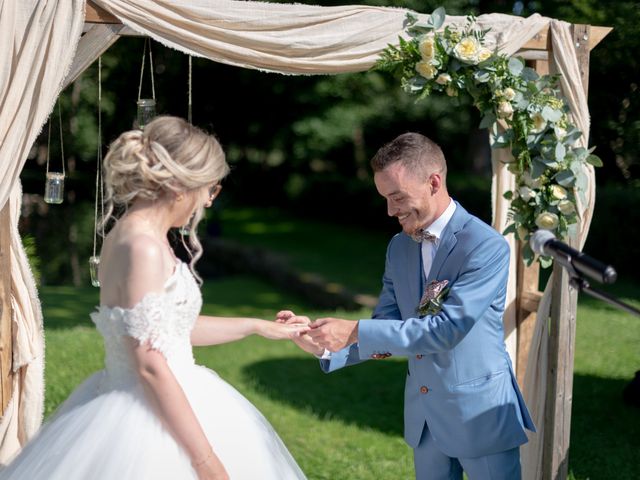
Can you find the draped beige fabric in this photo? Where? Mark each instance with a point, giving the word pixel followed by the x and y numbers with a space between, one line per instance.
pixel 37 44
pixel 285 38
pixel 565 62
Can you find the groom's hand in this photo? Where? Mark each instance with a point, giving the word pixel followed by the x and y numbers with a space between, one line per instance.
pixel 304 341
pixel 334 333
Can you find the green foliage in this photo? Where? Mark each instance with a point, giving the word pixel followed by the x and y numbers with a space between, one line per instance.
pixel 29 244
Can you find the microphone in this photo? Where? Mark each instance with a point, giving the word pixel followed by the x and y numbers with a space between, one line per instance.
pixel 543 242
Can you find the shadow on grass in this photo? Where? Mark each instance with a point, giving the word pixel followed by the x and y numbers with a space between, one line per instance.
pixel 605 432
pixel 369 395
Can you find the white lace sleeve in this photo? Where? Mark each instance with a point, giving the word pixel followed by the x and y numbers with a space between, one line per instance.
pixel 148 322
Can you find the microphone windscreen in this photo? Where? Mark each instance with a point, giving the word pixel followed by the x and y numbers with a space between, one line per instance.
pixel 539 239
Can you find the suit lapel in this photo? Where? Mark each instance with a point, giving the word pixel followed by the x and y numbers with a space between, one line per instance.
pixel 448 241
pixel 414 269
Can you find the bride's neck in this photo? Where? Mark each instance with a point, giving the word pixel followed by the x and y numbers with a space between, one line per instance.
pixel 154 214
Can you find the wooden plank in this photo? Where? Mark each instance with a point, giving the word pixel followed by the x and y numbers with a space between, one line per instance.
pixel 557 418
pixel 93 43
pixel 95 14
pixel 6 340
pixel 541 41
pixel 527 299
pixel 581 39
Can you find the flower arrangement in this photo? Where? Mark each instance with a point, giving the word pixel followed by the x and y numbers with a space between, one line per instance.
pixel 433 297
pixel 523 110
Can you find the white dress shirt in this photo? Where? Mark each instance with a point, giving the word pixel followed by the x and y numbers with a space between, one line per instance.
pixel 429 249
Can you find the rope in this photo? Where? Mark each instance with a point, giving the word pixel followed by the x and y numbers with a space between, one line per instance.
pixel 147 44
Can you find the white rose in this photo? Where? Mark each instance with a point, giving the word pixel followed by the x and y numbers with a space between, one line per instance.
pixel 547 221
pixel 558 192
pixel 539 123
pixel 451 91
pixel 427 49
pixel 566 207
pixel 505 110
pixel 443 78
pixel 425 69
pixel 526 193
pixel 467 50
pixel 509 93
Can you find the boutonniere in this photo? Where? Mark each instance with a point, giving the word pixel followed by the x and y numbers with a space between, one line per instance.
pixel 433 297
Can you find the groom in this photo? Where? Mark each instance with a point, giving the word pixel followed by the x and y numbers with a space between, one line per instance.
pixel 463 409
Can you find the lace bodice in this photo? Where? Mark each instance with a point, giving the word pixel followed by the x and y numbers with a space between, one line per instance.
pixel 162 320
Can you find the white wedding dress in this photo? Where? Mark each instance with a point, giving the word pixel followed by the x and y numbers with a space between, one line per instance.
pixel 107 429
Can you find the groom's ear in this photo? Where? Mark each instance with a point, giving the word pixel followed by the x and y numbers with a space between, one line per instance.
pixel 435 182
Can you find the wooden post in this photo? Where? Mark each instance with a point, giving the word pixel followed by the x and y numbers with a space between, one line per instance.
pixel 6 340
pixel 562 337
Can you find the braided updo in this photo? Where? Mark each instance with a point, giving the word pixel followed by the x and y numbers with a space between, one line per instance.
pixel 169 156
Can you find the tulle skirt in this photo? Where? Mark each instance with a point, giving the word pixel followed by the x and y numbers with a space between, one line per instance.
pixel 102 432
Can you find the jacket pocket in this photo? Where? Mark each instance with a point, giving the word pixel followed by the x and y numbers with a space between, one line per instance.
pixel 479 381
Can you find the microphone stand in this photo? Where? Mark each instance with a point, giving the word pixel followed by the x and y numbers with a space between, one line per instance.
pixel 582 285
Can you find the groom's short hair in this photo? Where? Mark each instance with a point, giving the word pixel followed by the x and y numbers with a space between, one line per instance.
pixel 415 151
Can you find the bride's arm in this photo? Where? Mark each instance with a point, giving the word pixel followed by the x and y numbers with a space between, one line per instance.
pixel 173 407
pixel 145 272
pixel 215 330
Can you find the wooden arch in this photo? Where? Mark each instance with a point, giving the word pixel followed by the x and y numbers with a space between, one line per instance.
pixel 103 29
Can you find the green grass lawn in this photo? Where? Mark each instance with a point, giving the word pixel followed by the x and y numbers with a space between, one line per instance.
pixel 348 425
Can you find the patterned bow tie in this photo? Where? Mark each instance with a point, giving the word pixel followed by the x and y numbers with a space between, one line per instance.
pixel 423 235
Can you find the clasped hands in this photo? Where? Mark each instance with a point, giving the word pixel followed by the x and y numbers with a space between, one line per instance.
pixel 328 333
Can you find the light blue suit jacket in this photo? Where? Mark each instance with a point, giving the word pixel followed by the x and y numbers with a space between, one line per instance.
pixel 459 380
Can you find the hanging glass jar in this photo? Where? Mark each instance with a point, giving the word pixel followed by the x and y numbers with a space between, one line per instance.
pixel 94 264
pixel 54 187
pixel 146 112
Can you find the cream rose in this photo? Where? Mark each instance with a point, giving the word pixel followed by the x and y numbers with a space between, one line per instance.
pixel 467 50
pixel 547 221
pixel 427 49
pixel 425 69
pixel 539 123
pixel 443 79
pixel 558 192
pixel 484 54
pixel 566 207
pixel 509 93
pixel 505 110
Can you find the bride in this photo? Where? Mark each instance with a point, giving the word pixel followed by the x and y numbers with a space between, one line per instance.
pixel 152 413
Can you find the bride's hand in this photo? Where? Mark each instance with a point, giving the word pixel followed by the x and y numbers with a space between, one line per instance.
pixel 280 331
pixel 290 318
pixel 211 469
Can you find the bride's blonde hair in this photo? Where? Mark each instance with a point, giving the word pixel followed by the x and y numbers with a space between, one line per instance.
pixel 169 157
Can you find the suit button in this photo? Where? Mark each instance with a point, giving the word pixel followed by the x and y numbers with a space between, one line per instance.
pixel 418 357
pixel 424 389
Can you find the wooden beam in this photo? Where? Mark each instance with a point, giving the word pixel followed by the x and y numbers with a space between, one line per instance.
pixel 6 336
pixel 93 43
pixel 95 14
pixel 541 41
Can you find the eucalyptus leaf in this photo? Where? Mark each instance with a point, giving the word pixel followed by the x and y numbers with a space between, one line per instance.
pixel 529 74
pixel 437 17
pixel 560 152
pixel 566 178
pixel 537 169
pixel 510 229
pixel 594 160
pixel 550 114
pixel 545 262
pixel 527 254
pixel 482 76
pixel 515 66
